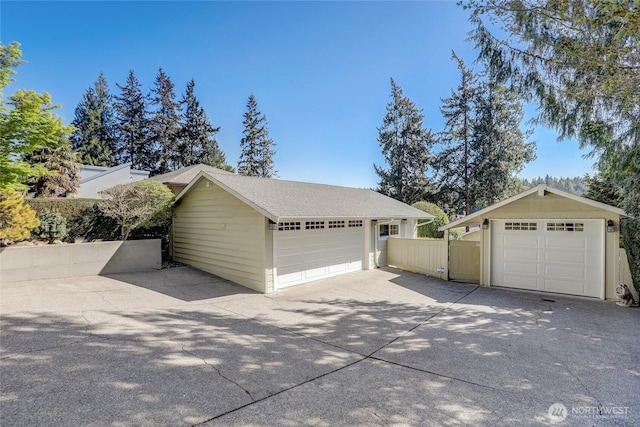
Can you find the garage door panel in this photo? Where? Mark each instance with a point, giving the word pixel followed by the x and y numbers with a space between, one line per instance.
pixel 568 257
pixel 565 287
pixel 566 272
pixel 307 255
pixel 548 257
pixel 520 240
pixel 513 254
pixel 523 282
pixel 521 268
pixel 566 240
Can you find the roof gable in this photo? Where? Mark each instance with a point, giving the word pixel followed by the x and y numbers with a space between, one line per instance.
pixel 280 199
pixel 541 190
pixel 186 174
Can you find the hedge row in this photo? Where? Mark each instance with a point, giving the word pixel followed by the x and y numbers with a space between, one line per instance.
pixel 86 222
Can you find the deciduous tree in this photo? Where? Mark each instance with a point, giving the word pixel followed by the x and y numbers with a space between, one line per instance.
pixel 27 122
pixel 141 204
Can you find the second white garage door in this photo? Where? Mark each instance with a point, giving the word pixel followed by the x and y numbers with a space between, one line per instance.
pixel 329 249
pixel 563 256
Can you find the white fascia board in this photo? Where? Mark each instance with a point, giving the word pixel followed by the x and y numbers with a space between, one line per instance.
pixel 541 189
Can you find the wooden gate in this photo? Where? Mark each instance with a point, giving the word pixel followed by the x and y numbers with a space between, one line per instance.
pixel 464 260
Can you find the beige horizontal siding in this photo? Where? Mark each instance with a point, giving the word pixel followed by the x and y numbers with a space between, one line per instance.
pixel 220 234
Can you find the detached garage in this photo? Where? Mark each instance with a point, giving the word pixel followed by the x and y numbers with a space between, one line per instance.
pixel 547 240
pixel 267 234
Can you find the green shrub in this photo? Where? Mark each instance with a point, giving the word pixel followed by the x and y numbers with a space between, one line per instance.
pixel 17 219
pixel 431 230
pixel 85 221
pixel 53 226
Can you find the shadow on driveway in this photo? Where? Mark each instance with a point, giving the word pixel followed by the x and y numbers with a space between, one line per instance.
pixel 370 348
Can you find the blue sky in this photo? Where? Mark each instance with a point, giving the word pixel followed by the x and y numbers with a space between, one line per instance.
pixel 319 70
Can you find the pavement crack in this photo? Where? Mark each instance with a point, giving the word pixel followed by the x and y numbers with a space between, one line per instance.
pixel 219 372
pixel 433 373
pixel 310 380
pixel 424 322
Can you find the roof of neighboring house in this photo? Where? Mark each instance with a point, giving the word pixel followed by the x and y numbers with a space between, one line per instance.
pixel 540 189
pixel 278 199
pixel 104 170
pixel 185 175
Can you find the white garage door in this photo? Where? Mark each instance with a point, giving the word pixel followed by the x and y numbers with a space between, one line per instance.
pixel 313 250
pixel 564 256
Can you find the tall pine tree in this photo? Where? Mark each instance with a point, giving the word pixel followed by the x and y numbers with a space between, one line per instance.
pixel 484 145
pixel 164 124
pixel 406 147
pixel 133 123
pixel 256 156
pixel 499 144
pixel 94 136
pixel 197 136
pixel 453 163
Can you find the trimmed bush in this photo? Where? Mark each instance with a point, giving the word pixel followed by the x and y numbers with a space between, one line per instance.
pixel 17 219
pixel 53 226
pixel 431 230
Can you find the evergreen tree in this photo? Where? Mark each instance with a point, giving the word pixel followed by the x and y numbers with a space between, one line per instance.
pixel 499 146
pixel 94 136
pixel 454 163
pixel 579 59
pixel 164 124
pixel 406 147
pixel 256 155
pixel 63 164
pixel 132 126
pixel 197 136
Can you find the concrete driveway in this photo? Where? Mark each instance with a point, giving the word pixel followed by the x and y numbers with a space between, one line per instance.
pixel 384 347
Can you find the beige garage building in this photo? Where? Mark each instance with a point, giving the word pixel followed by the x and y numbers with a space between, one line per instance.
pixel 267 234
pixel 547 240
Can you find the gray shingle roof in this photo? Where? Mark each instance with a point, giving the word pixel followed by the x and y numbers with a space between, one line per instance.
pixel 186 174
pixel 279 199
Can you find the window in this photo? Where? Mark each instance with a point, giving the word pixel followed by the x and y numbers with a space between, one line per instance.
pixel 521 226
pixel 389 230
pixel 314 225
pixel 286 226
pixel 336 224
pixel 355 223
pixel 565 226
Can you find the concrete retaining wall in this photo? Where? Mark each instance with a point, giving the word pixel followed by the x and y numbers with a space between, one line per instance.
pixel 82 259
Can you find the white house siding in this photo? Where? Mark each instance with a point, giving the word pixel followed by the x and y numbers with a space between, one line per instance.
pixel 218 233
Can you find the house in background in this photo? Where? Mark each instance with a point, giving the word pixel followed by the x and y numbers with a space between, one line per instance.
pixel 267 234
pixel 179 179
pixel 94 179
pixel 547 240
